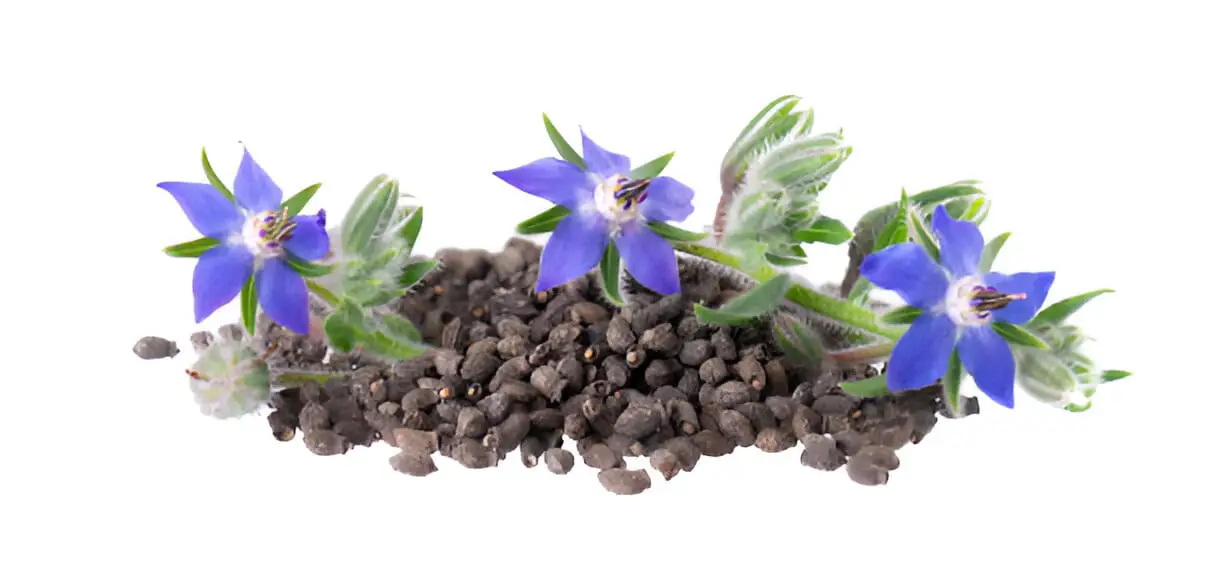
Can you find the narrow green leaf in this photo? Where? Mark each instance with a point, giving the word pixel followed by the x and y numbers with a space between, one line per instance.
pixel 1113 375
pixel 369 214
pixel 380 344
pixel 943 193
pixel 307 269
pixel 1019 335
pixel 212 176
pixel 413 272
pixel 412 230
pixel 340 333
pixel 921 233
pixel 872 387
pixel 296 204
pixel 991 251
pixel 563 147
pixel 191 248
pixel 544 222
pixel 825 230
pixel 901 316
pixel 785 260
pixel 897 229
pixel 401 328
pixel 1059 311
pixel 797 340
pixel 859 292
pixel 674 233
pixel 651 168
pixel 322 292
pixel 250 303
pixel 952 383
pixel 745 308
pixel 609 271
pixel 761 115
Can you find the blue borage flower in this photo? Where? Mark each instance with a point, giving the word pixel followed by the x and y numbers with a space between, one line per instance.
pixel 604 205
pixel 254 235
pixel 958 305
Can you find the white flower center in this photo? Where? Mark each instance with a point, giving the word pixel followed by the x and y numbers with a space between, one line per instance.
pixel 969 301
pixel 617 198
pixel 265 234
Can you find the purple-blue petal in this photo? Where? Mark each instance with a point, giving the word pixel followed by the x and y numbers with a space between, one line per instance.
pixel 554 180
pixel 649 258
pixel 219 276
pixel 573 249
pixel 667 200
pixel 309 239
pixel 1035 286
pixel 282 295
pixel 908 270
pixel 253 189
pixel 602 162
pixel 960 243
pixel 921 356
pixel 989 360
pixel 212 214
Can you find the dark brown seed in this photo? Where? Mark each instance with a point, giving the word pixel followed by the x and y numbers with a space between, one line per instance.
pixel 639 420
pixel 616 370
pixel 419 420
pixel 548 419
pixel 531 450
pixel 602 457
pixel 712 443
pixel 447 361
pixel 924 423
pixel 471 423
pixel 751 372
pixel 481 345
pixel 775 375
pixel 724 345
pixel 513 326
pixel 389 408
pixel 683 416
pixel 774 440
pixel 470 453
pixel 832 424
pixel 588 313
pixel 479 367
pixel 685 450
pixel 760 415
pixel 666 394
pixel 313 418
pixel 833 404
pixel 621 444
pixel 414 464
pixel 496 407
pixel 713 371
pixel 452 334
pixel 850 441
pixel 356 432
pixel 284 424
pixel 728 395
pixel 708 417
pixel 519 391
pixel 620 335
pixel 662 340
pixel 584 445
pixel 806 421
pixel 512 346
pixel 694 353
pixel 624 482
pixel 576 426
pixel 415 441
pixel 558 461
pixel 200 341
pixel 596 353
pixel 420 399
pixel 572 371
pixel 782 407
pixel 690 329
pixel 324 442
pixel 871 465
pixel 155 348
pixel 564 334
pixel 548 382
pixel 893 433
pixel 736 427
pixel 822 453
pixel 343 408
pixel 636 356
pixel 541 354
pixel 506 436
pixel 665 462
pixel 804 393
pixel 690 383
pixel 513 370
pixel 661 372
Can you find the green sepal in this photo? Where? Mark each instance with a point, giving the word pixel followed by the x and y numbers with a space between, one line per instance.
pixel 212 176
pixel 1058 312
pixel 785 260
pixel 369 214
pixel 610 274
pixel 250 303
pixel 322 292
pixel 413 272
pixel 901 316
pixel 544 222
pixel 412 229
pixel 651 168
pixel 919 231
pixel 1019 335
pixel 194 248
pixel 991 251
pixel 1113 375
pixel 824 230
pixel 563 147
pixel 307 269
pixel 674 233
pixel 401 328
pixel 897 229
pixel 298 202
pixel 952 383
pixel 934 196
pixel 747 307
pixel 872 387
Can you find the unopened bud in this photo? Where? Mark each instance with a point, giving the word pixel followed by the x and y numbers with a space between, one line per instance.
pixel 1046 377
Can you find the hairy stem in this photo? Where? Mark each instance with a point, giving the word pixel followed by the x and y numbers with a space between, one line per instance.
pixel 863 355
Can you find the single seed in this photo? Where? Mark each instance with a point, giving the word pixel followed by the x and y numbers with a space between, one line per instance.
pixel 548 382
pixel 601 457
pixel 666 394
pixel 683 416
pixel 624 482
pixel 685 450
pixel 822 453
pixel 547 419
pixel 471 423
pixel 806 421
pixel 690 383
pixel 284 424
pixel 694 353
pixel 414 464
pixel 775 375
pixel 313 418
pixel 850 441
pixel 471 454
pixel 447 361
pixel 616 370
pixel 774 440
pixel 635 356
pixel 728 395
pixel 782 407
pixel 724 345
pixel 558 461
pixel 620 335
pixel 751 372
pixel 665 462
pixel 662 340
pixel 713 371
pixel 325 442
pixel 712 443
pixel 833 404
pixel 496 407
pixel 155 348
pixel 736 427
pixel 758 414
pixel 512 346
pixel 530 451
pixel 576 426
pixel 412 440
pixel 479 367
pixel 424 399
pixel 520 391
pixel 871 465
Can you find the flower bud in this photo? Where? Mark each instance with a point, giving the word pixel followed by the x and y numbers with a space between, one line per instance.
pixel 229 379
pixel 1045 377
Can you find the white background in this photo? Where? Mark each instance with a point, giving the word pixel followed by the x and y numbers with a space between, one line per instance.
pixel 1095 127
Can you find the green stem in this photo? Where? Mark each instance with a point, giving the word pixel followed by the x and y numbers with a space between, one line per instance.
pixel 864 354
pixel 842 311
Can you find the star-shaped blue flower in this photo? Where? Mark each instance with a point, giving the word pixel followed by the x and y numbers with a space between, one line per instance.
pixel 254 236
pixel 958 304
pixel 604 205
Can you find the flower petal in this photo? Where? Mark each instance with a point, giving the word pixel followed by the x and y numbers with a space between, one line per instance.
pixel 253 189
pixel 573 249
pixel 554 180
pixel 602 162
pixel 309 239
pixel 921 356
pixel 667 200
pixel 960 243
pixel 649 258
pixel 212 214
pixel 282 294
pixel 907 269
pixel 989 359
pixel 1035 286
pixel 220 274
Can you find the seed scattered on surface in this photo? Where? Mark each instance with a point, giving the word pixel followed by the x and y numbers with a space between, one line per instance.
pixel 736 427
pixel 713 371
pixel 624 482
pixel 774 440
pixel 414 464
pixel 530 451
pixel 728 394
pixel 155 348
pixel 665 462
pixel 414 441
pixel 822 453
pixel 325 442
pixel 871 465
pixel 712 443
pixel 471 423
pixel 284 424
pixel 601 457
pixel 471 454
pixel 751 372
pixel 558 461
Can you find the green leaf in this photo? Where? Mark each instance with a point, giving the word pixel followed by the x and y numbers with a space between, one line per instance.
pixel 544 222
pixel 952 383
pixel 859 292
pixel 370 213
pixel 1019 335
pixel 825 230
pixel 191 248
pixel 1113 375
pixel 943 193
pixel 307 269
pixel 797 340
pixel 212 176
pixel 901 316
pixel 298 202
pixel 784 260
pixel 651 168
pixel 897 229
pixel 609 271
pixel 991 251
pixel 1058 312
pixel 340 333
pixel 322 292
pixel 412 230
pixel 921 233
pixel 250 303
pixel 872 387
pixel 760 115
pixel 401 328
pixel 674 233
pixel 745 308
pixel 413 272
pixel 563 147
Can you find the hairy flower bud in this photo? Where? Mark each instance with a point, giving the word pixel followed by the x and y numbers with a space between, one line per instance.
pixel 229 379
pixel 1061 376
